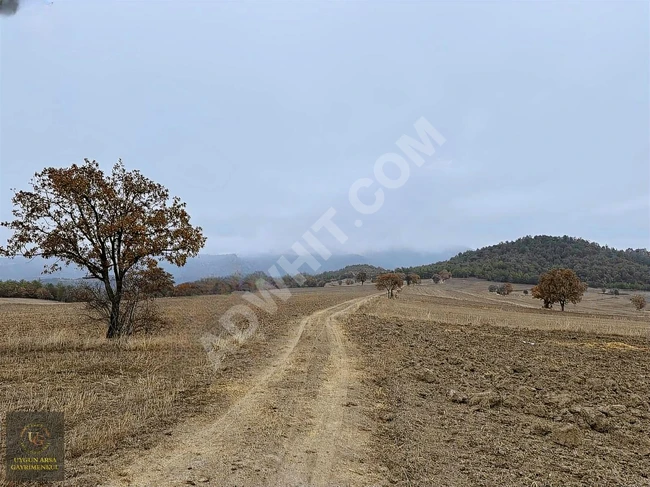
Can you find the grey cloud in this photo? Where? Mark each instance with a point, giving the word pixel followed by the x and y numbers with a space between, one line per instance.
pixel 9 7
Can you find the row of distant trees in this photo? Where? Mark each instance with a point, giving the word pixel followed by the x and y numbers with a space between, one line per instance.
pixel 556 286
pixel 503 289
pixel 409 276
pixel 66 293
pixel 250 282
pixel 164 286
pixel 241 283
pixel 561 286
pixel 392 282
pixel 234 283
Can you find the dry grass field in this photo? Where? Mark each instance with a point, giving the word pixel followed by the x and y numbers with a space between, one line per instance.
pixel 448 385
pixel 120 397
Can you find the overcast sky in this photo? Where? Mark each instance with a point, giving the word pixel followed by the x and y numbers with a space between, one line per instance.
pixel 261 115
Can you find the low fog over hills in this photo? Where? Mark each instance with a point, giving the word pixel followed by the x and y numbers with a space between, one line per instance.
pixel 227 264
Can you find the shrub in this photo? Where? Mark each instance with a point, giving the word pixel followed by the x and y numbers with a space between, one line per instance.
pixel 310 281
pixel 412 278
pixel 493 288
pixel 349 282
pixel 504 289
pixel 43 293
pixel 638 301
pixel 526 291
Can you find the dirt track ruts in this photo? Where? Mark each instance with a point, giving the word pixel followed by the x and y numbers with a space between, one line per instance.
pixel 294 426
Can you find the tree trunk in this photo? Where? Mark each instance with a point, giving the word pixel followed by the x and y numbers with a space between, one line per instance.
pixel 562 305
pixel 114 324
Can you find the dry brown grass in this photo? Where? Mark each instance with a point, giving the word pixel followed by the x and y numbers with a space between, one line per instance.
pixel 113 393
pixel 123 395
pixel 467 302
pixel 593 302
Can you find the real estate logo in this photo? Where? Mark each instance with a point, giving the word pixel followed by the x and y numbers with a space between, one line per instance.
pixel 34 446
pixel 35 438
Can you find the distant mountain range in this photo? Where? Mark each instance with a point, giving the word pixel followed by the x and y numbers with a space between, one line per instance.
pixel 207 265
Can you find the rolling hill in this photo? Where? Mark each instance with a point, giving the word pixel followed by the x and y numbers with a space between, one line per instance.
pixel 525 259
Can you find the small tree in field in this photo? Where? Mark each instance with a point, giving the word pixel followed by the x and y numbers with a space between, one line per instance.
pixel 444 275
pixel 362 277
pixel 112 226
pixel 412 278
pixel 504 289
pixel 559 286
pixel 349 282
pixel 389 282
pixel 436 278
pixel 493 288
pixel 638 300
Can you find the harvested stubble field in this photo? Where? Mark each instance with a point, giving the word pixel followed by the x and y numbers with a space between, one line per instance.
pixel 448 385
pixel 120 398
pixel 467 390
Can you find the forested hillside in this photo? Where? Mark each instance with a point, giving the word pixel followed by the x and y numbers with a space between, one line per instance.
pixel 525 259
pixel 350 272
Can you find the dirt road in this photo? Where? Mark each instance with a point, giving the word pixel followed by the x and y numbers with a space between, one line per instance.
pixel 297 424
